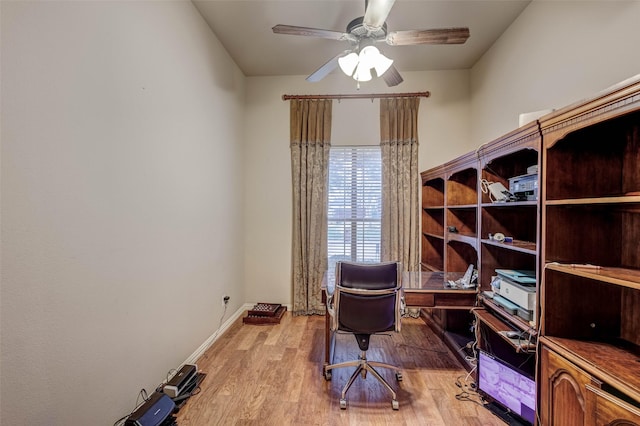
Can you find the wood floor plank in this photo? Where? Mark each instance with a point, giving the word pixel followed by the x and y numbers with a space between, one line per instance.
pixel 276 330
pixel 272 375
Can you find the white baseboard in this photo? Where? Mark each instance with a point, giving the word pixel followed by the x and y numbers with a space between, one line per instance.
pixel 216 334
pixel 211 340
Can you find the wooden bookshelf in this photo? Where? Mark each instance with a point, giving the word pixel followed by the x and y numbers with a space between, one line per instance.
pixel 591 286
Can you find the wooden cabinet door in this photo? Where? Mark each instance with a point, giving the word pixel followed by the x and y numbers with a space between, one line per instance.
pixel 562 391
pixel 609 410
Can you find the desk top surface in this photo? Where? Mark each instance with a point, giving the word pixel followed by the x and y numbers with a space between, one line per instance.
pixel 417 282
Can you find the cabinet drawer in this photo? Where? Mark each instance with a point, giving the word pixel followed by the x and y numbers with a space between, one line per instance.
pixel 609 410
pixel 424 300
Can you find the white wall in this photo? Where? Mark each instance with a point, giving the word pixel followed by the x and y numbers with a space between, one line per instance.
pixel 443 133
pixel 554 54
pixel 122 202
pixel 137 188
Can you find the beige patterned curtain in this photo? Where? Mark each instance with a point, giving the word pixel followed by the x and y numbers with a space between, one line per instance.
pixel 400 181
pixel 310 143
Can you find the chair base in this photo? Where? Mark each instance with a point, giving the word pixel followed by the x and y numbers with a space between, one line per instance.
pixel 363 366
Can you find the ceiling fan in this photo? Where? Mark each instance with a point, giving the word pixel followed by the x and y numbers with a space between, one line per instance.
pixel 363 33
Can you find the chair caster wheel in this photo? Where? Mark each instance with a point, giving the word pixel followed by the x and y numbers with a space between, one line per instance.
pixel 395 405
pixel 327 375
pixel 343 404
pixel 399 377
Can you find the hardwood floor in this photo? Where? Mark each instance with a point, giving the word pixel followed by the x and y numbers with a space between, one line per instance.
pixel 272 375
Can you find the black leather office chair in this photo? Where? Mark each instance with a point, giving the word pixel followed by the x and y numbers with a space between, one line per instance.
pixel 366 301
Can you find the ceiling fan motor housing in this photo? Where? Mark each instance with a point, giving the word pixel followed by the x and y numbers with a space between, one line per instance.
pixel 358 29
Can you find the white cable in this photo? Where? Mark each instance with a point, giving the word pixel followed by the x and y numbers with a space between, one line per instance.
pixel 484 187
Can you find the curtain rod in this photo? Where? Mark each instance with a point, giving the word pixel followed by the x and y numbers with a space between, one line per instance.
pixel 360 96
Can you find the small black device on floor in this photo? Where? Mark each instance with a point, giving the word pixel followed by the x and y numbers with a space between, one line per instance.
pixel 153 412
pixel 189 390
pixel 185 376
pixel 167 400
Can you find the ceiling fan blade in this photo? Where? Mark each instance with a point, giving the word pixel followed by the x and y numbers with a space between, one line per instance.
pixel 309 32
pixel 325 69
pixel 392 77
pixel 434 36
pixel 376 13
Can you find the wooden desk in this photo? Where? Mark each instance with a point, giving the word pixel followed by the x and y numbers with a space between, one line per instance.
pixel 420 290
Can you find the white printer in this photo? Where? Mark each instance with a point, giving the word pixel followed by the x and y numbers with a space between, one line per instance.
pixel 519 287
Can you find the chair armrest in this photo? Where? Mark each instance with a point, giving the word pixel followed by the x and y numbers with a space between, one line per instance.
pixel 331 311
pixel 330 308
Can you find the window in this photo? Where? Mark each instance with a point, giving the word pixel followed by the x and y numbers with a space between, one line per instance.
pixel 355 204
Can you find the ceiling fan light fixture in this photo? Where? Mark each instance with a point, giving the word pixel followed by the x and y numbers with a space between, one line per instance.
pixel 370 57
pixel 362 73
pixel 382 64
pixel 348 63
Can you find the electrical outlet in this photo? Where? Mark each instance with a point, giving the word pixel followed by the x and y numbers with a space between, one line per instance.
pixel 225 300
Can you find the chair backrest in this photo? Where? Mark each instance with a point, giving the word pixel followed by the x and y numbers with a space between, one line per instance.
pixel 368 297
pixel 370 276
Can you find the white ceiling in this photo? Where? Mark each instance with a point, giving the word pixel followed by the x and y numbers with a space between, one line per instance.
pixel 244 28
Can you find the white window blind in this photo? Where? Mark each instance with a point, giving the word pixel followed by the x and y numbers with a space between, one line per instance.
pixel 355 204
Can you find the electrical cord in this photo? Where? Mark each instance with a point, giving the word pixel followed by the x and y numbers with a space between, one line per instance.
pixel 170 374
pixel 145 397
pixel 484 187
pixel 465 396
pixel 468 391
pixel 224 312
